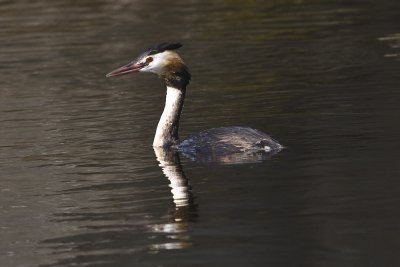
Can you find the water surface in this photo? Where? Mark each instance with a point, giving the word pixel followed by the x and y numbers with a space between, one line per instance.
pixel 82 186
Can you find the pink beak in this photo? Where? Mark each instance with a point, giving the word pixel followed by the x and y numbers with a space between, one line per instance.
pixel 129 68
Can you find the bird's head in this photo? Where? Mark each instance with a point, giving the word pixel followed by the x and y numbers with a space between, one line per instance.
pixel 161 60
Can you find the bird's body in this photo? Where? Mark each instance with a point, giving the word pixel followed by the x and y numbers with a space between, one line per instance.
pixel 165 62
pixel 228 140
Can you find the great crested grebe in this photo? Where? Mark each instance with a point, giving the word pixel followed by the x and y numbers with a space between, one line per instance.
pixel 169 66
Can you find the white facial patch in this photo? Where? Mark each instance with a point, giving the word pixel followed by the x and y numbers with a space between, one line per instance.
pixel 159 62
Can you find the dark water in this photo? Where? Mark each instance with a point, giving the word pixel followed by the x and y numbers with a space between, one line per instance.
pixel 81 185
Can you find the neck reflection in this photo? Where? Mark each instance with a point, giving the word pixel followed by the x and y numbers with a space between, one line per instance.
pixel 169 161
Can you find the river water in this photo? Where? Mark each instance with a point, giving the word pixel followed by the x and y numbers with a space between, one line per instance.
pixel 82 186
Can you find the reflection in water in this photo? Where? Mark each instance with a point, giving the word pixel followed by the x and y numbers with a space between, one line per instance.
pixel 117 223
pixel 394 42
pixel 180 188
pixel 185 209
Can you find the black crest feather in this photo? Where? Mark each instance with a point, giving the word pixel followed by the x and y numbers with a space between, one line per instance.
pixel 163 47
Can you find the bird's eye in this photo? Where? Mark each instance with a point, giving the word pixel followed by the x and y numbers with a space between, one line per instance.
pixel 149 59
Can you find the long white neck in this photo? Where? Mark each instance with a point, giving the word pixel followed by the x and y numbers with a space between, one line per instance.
pixel 167 129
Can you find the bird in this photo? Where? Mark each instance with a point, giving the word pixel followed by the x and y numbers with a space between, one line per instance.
pixel 164 61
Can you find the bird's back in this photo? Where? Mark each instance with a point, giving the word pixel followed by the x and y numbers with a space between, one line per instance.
pixel 228 140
